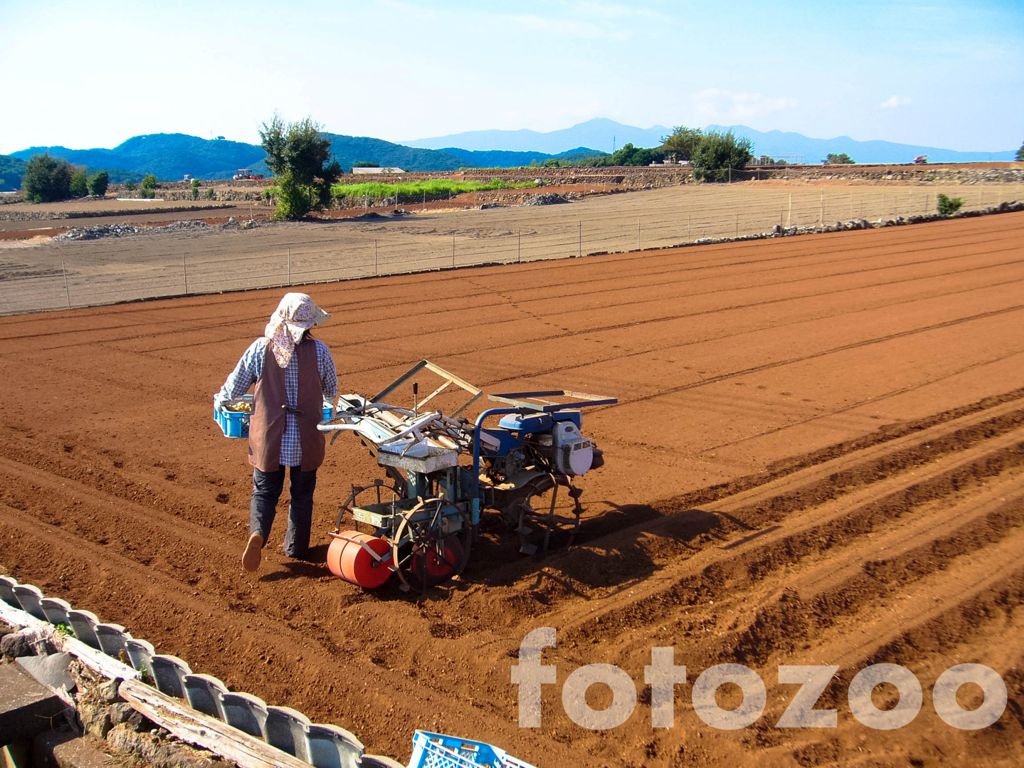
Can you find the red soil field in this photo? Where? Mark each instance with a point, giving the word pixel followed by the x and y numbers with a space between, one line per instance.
pixel 816 458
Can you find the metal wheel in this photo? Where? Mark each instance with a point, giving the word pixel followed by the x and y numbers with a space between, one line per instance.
pixel 431 544
pixel 537 515
pixel 379 494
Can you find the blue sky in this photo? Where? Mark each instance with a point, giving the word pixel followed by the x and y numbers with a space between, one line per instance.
pixel 92 74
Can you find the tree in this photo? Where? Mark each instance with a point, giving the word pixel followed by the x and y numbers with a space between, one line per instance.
pixel 949 205
pixel 682 142
pixel 98 183
pixel 298 155
pixel 148 187
pixel 79 183
pixel 630 155
pixel 717 155
pixel 47 179
pixel 840 159
pixel 1019 157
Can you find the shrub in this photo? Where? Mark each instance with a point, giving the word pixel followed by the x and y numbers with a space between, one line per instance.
pixel 79 183
pixel 949 205
pixel 98 183
pixel 717 155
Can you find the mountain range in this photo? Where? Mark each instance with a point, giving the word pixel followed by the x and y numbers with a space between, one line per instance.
pixel 607 136
pixel 170 156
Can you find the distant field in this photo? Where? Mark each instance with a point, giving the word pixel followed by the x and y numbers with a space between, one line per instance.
pixel 425 189
pixel 54 274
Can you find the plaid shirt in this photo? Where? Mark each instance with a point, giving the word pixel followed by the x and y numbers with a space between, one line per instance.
pixel 250 369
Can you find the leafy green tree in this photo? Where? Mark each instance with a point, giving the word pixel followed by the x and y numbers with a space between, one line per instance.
pixel 949 205
pixel 47 179
pixel 98 183
pixel 840 159
pixel 148 187
pixel 1019 157
pixel 79 183
pixel 682 142
pixel 299 157
pixel 717 155
pixel 195 189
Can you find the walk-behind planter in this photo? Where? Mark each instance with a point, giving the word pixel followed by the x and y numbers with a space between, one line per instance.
pixel 443 473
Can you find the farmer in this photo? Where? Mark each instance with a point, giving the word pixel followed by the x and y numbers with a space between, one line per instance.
pixel 293 373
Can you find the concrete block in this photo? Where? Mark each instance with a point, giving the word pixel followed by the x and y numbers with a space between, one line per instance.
pixel 29 597
pixel 7 585
pixel 286 729
pixel 84 624
pixel 111 638
pixel 245 712
pixel 140 654
pixel 26 707
pixel 203 693
pixel 331 746
pixel 56 610
pixel 51 671
pixel 169 674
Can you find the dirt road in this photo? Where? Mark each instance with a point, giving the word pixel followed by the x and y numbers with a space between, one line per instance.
pixel 817 458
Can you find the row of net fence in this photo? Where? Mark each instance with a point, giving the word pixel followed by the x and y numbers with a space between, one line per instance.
pixel 71 274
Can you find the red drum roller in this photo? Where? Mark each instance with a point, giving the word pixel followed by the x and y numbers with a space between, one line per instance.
pixel 359 558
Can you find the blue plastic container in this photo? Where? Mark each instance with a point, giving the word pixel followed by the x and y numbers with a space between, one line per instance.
pixel 435 750
pixel 236 423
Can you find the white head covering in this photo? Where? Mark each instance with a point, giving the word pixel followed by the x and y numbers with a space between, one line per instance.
pixel 295 315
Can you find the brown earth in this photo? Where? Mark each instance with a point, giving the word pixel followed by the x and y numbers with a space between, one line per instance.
pixel 817 458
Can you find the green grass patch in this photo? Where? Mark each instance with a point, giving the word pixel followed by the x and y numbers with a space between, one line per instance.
pixel 418 191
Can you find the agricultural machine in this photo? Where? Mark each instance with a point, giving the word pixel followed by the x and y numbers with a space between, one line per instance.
pixel 443 472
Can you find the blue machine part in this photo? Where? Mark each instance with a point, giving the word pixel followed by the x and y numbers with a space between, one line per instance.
pixel 533 423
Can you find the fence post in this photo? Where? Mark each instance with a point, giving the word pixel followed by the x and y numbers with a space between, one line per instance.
pixel 638 234
pixel 581 239
pixel 184 271
pixel 519 249
pixel 821 210
pixel 376 262
pixel 453 240
pixel 67 289
pixel 289 267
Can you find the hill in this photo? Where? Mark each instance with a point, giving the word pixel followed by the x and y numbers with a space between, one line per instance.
pixel 166 155
pixel 606 135
pixel 797 148
pixel 794 147
pixel 11 172
pixel 171 155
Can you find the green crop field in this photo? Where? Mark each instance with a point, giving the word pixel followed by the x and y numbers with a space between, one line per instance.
pixel 426 189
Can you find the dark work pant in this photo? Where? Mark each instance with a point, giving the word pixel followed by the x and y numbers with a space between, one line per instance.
pixel 266 490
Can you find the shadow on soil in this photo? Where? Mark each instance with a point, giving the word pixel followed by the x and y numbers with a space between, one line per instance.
pixel 611 550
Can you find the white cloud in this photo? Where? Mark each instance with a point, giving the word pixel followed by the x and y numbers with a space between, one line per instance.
pixel 714 105
pixel 895 102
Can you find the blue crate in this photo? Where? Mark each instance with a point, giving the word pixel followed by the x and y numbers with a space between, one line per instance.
pixel 436 750
pixel 233 423
pixel 236 423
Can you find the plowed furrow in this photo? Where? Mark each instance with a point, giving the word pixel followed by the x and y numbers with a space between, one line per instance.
pixel 758 557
